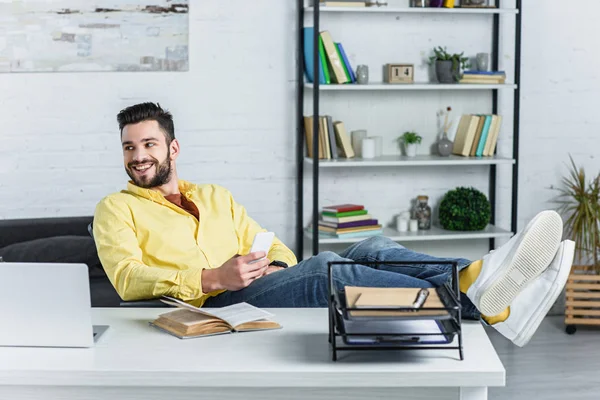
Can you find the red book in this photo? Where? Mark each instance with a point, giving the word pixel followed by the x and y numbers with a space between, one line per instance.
pixel 343 208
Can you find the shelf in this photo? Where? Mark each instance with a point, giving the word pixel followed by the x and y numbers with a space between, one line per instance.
pixel 403 161
pixel 415 10
pixel 435 233
pixel 413 86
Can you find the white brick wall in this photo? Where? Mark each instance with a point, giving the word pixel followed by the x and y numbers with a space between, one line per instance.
pixel 233 111
pixel 234 114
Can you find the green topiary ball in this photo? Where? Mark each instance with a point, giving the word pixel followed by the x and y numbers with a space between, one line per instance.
pixel 465 209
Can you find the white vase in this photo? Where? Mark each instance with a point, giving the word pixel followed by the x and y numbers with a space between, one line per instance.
pixel 411 149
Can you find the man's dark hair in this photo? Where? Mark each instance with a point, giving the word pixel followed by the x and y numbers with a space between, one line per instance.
pixel 148 112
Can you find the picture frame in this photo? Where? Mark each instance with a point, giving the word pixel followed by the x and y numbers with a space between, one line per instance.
pixel 399 73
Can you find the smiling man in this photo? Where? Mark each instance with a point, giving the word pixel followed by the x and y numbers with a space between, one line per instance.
pixel 166 236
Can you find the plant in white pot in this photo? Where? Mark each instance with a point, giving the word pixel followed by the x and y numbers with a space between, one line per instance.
pixel 410 140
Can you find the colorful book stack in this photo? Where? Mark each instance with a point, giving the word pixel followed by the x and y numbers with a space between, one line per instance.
pixel 477 135
pixel 347 221
pixel 489 77
pixel 334 66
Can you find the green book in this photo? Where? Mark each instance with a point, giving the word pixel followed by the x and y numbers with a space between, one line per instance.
pixel 324 61
pixel 337 48
pixel 345 214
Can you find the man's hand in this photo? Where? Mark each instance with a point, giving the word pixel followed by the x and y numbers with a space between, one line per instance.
pixel 236 273
pixel 272 268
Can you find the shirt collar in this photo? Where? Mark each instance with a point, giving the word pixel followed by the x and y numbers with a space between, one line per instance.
pixel 186 188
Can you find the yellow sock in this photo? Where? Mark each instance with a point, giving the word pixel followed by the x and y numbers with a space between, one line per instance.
pixel 467 277
pixel 497 318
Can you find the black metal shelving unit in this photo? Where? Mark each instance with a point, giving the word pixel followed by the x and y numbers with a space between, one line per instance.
pixel 300 140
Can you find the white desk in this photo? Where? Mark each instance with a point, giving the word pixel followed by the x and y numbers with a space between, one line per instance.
pixel 136 361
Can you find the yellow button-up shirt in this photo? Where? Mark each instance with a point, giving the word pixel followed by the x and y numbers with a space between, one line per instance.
pixel 150 247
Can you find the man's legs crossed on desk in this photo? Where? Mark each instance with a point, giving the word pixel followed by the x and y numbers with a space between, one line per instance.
pixel 529 270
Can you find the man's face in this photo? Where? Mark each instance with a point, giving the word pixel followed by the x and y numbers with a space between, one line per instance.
pixel 146 155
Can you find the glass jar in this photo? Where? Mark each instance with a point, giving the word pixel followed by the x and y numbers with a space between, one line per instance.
pixel 423 212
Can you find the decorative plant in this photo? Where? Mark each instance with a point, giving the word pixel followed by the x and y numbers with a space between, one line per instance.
pixel 465 209
pixel 440 54
pixel 410 138
pixel 447 124
pixel 580 205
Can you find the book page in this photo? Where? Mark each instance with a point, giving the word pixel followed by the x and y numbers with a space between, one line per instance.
pixel 234 314
pixel 240 313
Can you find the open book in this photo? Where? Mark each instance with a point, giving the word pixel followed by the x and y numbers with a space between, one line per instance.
pixel 189 321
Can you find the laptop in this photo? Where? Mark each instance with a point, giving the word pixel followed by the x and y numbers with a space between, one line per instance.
pixel 46 305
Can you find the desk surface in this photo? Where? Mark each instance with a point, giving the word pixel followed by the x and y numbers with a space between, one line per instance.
pixel 132 353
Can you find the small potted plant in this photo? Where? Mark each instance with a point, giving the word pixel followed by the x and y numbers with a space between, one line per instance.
pixel 447 66
pixel 410 140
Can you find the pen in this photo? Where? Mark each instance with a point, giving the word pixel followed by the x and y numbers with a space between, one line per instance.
pixel 421 297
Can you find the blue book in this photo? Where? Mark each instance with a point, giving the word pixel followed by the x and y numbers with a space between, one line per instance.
pixel 485 72
pixel 352 234
pixel 347 62
pixel 484 135
pixel 309 56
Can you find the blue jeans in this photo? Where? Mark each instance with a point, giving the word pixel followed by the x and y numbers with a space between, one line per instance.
pixel 305 284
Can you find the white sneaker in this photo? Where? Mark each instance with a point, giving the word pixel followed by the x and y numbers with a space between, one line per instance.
pixel 507 270
pixel 532 304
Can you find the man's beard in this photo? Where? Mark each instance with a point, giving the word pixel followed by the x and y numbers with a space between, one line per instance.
pixel 161 176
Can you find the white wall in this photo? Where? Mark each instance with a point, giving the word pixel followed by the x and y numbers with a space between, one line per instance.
pixel 559 98
pixel 234 114
pixel 234 111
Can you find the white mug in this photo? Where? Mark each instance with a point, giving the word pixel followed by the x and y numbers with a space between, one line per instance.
pixel 367 148
pixel 378 145
pixel 401 224
pixel 414 225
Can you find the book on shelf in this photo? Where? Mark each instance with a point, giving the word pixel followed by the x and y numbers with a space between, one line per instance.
pixel 487 120
pixel 490 146
pixel 354 229
pixel 335 62
pixel 478 131
pixel 350 235
pixel 333 140
pixel 477 135
pixel 188 321
pixel 338 208
pixel 362 222
pixel 343 140
pixel 346 60
pixel 309 33
pixel 465 133
pixel 489 77
pixel 342 220
pixel 345 213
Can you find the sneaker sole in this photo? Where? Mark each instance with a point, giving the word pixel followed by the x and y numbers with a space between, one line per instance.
pixel 531 257
pixel 557 286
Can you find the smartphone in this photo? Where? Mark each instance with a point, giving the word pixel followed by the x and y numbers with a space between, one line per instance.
pixel 262 242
